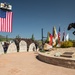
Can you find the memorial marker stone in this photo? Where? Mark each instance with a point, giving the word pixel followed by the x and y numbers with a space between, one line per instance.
pixel 1 49
pixel 32 47
pixel 22 46
pixel 12 48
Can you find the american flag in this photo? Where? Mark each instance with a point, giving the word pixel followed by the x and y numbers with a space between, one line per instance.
pixel 5 21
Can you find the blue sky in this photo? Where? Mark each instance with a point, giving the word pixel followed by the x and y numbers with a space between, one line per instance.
pixel 29 16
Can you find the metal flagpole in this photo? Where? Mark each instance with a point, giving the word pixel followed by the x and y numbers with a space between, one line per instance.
pixel 42 37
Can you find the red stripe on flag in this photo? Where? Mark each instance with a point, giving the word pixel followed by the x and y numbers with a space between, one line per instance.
pixel 0 24
pixel 6 23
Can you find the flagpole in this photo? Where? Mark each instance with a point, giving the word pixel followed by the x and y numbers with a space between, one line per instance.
pixel 42 37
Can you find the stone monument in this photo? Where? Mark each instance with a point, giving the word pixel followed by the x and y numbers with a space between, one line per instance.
pixel 32 47
pixel 22 46
pixel 1 49
pixel 12 48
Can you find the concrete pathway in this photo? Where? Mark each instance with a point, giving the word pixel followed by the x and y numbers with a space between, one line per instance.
pixel 27 64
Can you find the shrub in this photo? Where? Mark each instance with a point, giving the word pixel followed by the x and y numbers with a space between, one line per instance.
pixel 73 44
pixel 66 44
pixel 43 51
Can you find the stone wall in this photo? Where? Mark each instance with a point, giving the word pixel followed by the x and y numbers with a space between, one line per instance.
pixel 57 61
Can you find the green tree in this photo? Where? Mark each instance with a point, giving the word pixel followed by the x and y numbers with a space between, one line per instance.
pixel 18 36
pixel 33 37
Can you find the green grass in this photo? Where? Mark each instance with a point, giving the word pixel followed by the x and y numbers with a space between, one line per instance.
pixel 43 51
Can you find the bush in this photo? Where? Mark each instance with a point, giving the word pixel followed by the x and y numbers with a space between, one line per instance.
pixel 73 44
pixel 43 51
pixel 66 44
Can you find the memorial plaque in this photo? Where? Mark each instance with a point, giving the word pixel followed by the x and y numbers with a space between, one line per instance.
pixel 1 49
pixel 12 48
pixel 32 47
pixel 67 54
pixel 22 46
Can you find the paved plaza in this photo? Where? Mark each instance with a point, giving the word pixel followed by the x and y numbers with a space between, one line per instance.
pixel 26 63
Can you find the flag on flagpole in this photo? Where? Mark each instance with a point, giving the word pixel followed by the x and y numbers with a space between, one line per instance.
pixel 51 39
pixel 63 38
pixel 59 35
pixel 55 33
pixel 55 36
pixel 5 21
pixel 67 37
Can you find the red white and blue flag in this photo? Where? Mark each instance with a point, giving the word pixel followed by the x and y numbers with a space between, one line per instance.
pixel 59 35
pixel 5 21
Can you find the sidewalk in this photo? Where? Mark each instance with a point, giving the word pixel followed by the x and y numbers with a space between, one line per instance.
pixel 27 64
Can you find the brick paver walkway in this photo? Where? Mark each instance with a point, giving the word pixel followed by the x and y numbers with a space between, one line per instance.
pixel 27 64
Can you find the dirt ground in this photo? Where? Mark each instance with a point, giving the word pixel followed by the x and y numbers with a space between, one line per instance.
pixel 26 63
